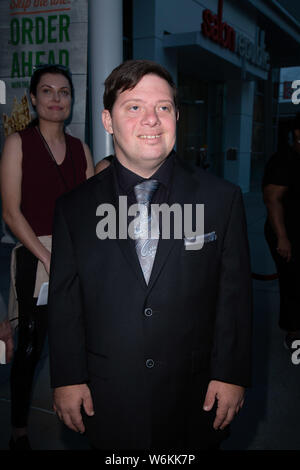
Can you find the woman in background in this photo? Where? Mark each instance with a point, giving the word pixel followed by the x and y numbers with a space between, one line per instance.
pixel 38 165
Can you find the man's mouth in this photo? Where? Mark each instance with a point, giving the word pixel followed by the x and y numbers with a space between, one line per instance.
pixel 151 137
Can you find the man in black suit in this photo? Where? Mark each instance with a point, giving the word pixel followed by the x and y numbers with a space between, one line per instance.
pixel 149 348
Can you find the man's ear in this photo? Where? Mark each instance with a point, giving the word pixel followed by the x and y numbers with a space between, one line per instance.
pixel 107 121
pixel 177 115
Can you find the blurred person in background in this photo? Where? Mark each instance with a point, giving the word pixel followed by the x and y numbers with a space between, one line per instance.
pixel 281 193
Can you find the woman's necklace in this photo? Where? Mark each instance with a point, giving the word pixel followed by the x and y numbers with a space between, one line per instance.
pixel 68 152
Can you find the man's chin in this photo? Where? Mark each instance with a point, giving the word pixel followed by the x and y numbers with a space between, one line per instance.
pixel 145 166
pixel 152 161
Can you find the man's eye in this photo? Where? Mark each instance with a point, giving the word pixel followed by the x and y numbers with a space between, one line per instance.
pixel 65 93
pixel 164 108
pixel 134 107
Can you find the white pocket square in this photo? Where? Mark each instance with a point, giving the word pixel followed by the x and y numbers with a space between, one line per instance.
pixel 197 242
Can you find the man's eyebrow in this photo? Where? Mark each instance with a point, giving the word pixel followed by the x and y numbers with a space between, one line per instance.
pixel 130 100
pixel 133 99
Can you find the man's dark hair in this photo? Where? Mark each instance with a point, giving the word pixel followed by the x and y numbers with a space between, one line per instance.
pixel 127 75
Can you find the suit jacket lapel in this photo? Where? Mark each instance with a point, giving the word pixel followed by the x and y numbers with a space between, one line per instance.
pixel 105 192
pixel 182 192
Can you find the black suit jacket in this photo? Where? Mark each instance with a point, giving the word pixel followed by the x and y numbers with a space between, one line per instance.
pixel 149 352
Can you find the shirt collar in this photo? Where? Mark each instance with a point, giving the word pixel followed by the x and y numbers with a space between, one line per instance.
pixel 128 179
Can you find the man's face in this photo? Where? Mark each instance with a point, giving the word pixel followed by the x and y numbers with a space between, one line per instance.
pixel 143 125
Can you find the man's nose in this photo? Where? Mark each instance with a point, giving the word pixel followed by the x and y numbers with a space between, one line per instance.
pixel 150 117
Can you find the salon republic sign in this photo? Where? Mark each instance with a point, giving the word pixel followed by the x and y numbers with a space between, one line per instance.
pixel 214 28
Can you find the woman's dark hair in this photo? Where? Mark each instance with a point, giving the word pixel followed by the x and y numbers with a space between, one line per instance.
pixel 127 75
pixel 41 70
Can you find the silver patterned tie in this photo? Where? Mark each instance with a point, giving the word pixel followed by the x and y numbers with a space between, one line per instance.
pixel 145 245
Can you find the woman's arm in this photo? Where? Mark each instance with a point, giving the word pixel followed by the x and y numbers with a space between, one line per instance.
pixel 90 171
pixel 273 199
pixel 10 183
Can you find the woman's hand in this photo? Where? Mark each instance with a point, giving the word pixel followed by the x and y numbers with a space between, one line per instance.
pixel 284 248
pixel 46 262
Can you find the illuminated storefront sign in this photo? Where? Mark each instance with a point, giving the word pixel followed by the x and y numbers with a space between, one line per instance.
pixel 217 30
pixel 34 32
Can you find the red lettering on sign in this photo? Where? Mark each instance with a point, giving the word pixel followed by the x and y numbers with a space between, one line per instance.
pixel 215 29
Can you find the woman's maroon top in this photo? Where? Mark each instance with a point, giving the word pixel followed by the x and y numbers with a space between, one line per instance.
pixel 43 181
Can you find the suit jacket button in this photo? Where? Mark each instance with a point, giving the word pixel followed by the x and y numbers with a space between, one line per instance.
pixel 148 312
pixel 149 363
